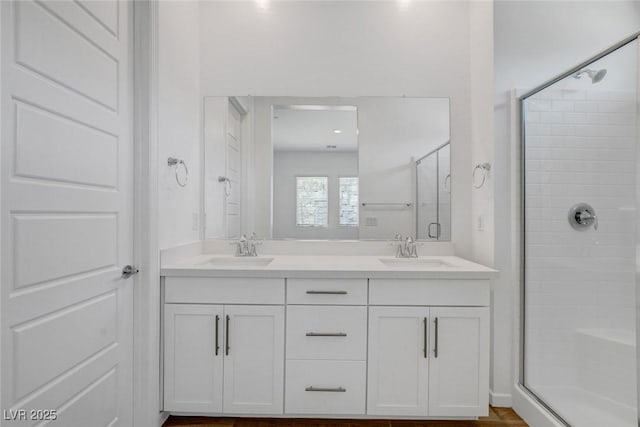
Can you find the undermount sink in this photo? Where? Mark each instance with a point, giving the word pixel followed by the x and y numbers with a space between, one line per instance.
pixel 239 261
pixel 420 263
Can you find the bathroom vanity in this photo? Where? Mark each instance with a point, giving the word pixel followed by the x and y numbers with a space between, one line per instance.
pixel 326 336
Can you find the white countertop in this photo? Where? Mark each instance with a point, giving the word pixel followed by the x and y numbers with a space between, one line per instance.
pixel 328 266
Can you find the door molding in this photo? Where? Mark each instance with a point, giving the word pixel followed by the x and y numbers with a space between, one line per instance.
pixel 146 317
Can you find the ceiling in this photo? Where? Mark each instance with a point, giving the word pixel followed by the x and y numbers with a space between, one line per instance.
pixel 311 128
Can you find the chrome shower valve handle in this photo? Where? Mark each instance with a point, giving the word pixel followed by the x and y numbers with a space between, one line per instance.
pixel 582 216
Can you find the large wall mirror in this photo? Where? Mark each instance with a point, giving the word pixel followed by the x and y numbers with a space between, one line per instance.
pixel 327 168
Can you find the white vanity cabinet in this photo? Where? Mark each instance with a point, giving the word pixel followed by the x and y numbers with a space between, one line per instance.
pixel 193 357
pixel 349 347
pixel 427 360
pixel 326 347
pixel 398 365
pixel 224 358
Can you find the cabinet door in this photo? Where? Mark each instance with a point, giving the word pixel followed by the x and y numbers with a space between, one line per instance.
pixel 193 358
pixel 254 359
pixel 398 361
pixel 459 361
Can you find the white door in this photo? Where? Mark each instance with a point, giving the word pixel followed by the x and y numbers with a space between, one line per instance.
pixel 193 357
pixel 458 374
pixel 66 210
pixel 398 361
pixel 223 125
pixel 234 171
pixel 254 359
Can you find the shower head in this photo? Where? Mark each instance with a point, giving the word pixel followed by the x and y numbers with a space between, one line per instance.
pixel 594 75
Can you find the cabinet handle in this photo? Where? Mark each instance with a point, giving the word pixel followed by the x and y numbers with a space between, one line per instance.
pixel 227 347
pixel 335 390
pixel 217 328
pixel 327 292
pixel 326 334
pixel 424 350
pixel 435 347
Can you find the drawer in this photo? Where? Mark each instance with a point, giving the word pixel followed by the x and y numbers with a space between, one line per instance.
pixel 326 332
pixel 327 291
pixel 448 292
pixel 217 290
pixel 325 387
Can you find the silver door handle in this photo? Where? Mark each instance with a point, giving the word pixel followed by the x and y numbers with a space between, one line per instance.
pixel 435 346
pixel 335 390
pixel 326 334
pixel 227 346
pixel 217 342
pixel 431 236
pixel 327 292
pixel 128 271
pixel 424 350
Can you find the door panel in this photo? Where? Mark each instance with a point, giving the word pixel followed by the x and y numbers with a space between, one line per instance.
pixel 234 171
pixel 194 353
pixel 398 368
pixel 254 362
pixel 66 211
pixel 458 377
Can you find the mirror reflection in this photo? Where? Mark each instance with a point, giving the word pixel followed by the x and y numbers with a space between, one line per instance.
pixel 315 171
pixel 327 168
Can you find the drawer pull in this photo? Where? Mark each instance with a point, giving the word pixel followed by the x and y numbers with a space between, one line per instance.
pixel 335 390
pixel 327 292
pixel 326 334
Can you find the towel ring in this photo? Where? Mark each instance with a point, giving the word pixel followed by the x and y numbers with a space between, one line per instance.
pixel 227 185
pixel 172 161
pixel 484 168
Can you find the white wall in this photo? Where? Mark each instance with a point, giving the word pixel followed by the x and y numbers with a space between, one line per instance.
pixel 534 41
pixel 289 164
pixel 179 117
pixel 481 138
pixel 351 49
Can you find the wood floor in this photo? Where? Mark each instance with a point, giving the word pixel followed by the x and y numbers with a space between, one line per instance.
pixel 498 417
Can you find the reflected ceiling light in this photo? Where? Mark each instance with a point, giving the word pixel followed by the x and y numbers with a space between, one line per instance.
pixel 262 4
pixel 337 131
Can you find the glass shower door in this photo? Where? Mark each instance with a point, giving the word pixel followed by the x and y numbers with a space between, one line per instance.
pixel 580 148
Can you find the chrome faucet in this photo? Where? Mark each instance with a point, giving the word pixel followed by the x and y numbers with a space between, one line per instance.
pixel 247 247
pixel 410 249
pixel 406 248
pixel 242 246
pixel 399 246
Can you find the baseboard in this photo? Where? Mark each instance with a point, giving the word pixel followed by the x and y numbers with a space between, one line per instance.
pixel 531 411
pixel 162 417
pixel 500 400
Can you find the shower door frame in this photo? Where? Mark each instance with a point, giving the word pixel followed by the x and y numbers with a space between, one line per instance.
pixel 521 113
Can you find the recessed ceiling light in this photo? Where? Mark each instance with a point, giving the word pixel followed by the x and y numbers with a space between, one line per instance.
pixel 336 131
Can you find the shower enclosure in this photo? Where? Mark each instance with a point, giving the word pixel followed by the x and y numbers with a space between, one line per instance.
pixel 433 194
pixel 580 174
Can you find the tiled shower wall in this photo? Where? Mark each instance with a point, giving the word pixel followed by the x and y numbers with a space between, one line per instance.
pixel 580 147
